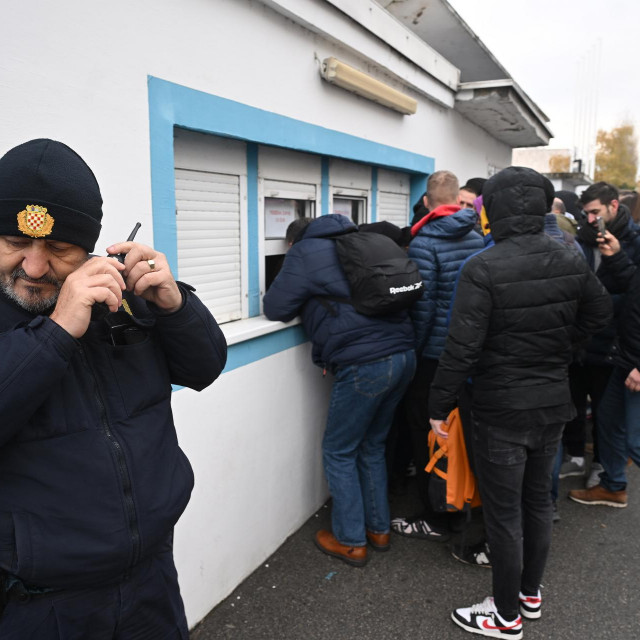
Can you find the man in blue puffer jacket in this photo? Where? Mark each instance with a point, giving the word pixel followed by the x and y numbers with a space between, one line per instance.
pixel 92 480
pixel 442 241
pixel 372 359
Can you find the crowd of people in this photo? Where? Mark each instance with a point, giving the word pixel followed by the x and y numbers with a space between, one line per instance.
pixel 516 304
pixel 527 321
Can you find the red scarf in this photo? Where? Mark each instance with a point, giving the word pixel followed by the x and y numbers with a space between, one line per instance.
pixel 439 212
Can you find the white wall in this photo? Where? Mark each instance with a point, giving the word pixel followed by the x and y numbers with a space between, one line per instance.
pixel 254 441
pixel 77 71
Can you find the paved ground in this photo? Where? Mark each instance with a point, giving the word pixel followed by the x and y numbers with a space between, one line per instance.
pixel 591 588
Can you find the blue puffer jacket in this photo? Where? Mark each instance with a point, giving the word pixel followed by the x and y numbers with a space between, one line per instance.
pixel 311 268
pixel 439 248
pixel 91 475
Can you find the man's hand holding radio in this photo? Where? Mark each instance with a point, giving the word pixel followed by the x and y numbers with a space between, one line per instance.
pixel 147 274
pixel 96 280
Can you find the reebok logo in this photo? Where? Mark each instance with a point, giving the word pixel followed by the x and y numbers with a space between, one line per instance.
pixel 410 287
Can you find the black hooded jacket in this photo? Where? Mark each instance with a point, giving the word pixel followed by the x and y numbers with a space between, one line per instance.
pixel 601 348
pixel 522 307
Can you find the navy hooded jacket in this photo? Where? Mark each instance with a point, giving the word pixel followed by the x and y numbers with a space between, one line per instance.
pixel 340 335
pixel 91 475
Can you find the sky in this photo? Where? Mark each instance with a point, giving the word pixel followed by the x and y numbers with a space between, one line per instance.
pixel 550 48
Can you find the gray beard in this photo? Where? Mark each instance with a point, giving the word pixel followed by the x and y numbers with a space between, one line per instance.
pixel 36 303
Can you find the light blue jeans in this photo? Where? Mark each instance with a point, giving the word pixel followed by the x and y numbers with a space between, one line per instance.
pixel 363 401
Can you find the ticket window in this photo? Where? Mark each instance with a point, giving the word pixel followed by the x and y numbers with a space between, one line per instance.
pixel 279 213
pixel 352 207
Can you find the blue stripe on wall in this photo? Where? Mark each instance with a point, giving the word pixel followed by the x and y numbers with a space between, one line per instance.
pixel 257 348
pixel 172 105
pixel 324 186
pixel 374 194
pixel 253 230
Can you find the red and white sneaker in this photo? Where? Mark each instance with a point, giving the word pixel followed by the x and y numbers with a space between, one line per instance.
pixel 484 619
pixel 531 606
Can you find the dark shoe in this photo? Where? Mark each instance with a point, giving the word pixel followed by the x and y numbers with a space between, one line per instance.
pixel 327 543
pixel 572 466
pixel 477 555
pixel 556 513
pixel 379 541
pixel 458 522
pixel 600 495
pixel 417 528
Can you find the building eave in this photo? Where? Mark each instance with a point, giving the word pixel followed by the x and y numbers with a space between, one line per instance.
pixel 501 108
pixel 574 178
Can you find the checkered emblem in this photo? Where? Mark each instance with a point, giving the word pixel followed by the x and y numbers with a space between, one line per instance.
pixel 34 221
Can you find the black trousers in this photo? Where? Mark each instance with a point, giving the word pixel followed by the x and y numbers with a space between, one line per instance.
pixel 514 469
pixel 417 413
pixel 145 606
pixel 584 380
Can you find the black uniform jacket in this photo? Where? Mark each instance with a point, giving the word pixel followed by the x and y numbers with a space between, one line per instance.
pixel 91 475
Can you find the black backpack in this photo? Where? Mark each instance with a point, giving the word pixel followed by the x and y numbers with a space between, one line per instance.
pixel 381 277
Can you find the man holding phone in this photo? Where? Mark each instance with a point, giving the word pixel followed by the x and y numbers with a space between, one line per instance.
pixel 589 373
pixel 619 419
pixel 92 479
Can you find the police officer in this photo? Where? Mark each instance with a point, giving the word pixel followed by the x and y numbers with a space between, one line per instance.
pixel 92 480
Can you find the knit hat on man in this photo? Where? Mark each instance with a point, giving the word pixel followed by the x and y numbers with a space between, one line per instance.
pixel 48 191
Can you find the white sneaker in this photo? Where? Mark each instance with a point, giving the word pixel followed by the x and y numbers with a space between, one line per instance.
pixel 531 606
pixel 594 475
pixel 484 619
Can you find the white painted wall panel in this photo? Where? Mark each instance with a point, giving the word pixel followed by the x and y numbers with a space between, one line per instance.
pixel 351 175
pixel 291 166
pixel 393 181
pixel 257 458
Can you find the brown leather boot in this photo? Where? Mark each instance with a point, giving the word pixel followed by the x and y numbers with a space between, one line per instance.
pixel 379 541
pixel 600 495
pixel 327 543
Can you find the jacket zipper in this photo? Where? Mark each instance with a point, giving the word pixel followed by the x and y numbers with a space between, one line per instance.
pixel 125 477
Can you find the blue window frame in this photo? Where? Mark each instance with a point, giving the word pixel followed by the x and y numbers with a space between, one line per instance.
pixel 172 105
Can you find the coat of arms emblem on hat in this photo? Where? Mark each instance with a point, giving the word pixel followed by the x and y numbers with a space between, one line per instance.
pixel 34 221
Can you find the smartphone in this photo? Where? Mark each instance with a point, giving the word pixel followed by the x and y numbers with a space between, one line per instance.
pixel 120 256
pixel 601 226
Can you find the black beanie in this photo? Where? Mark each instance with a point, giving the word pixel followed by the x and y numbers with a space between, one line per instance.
pixel 48 191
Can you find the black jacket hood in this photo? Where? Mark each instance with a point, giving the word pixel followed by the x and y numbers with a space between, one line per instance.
pixel 516 201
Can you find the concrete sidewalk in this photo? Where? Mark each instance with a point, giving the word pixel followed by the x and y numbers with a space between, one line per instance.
pixel 591 588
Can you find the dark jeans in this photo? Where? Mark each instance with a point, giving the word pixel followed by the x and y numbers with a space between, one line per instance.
pixel 619 431
pixel 145 606
pixel 417 411
pixel 584 380
pixel 514 474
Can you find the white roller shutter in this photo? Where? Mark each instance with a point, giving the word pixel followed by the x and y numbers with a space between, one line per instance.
pixel 209 248
pixel 393 207
pixel 393 197
pixel 294 190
